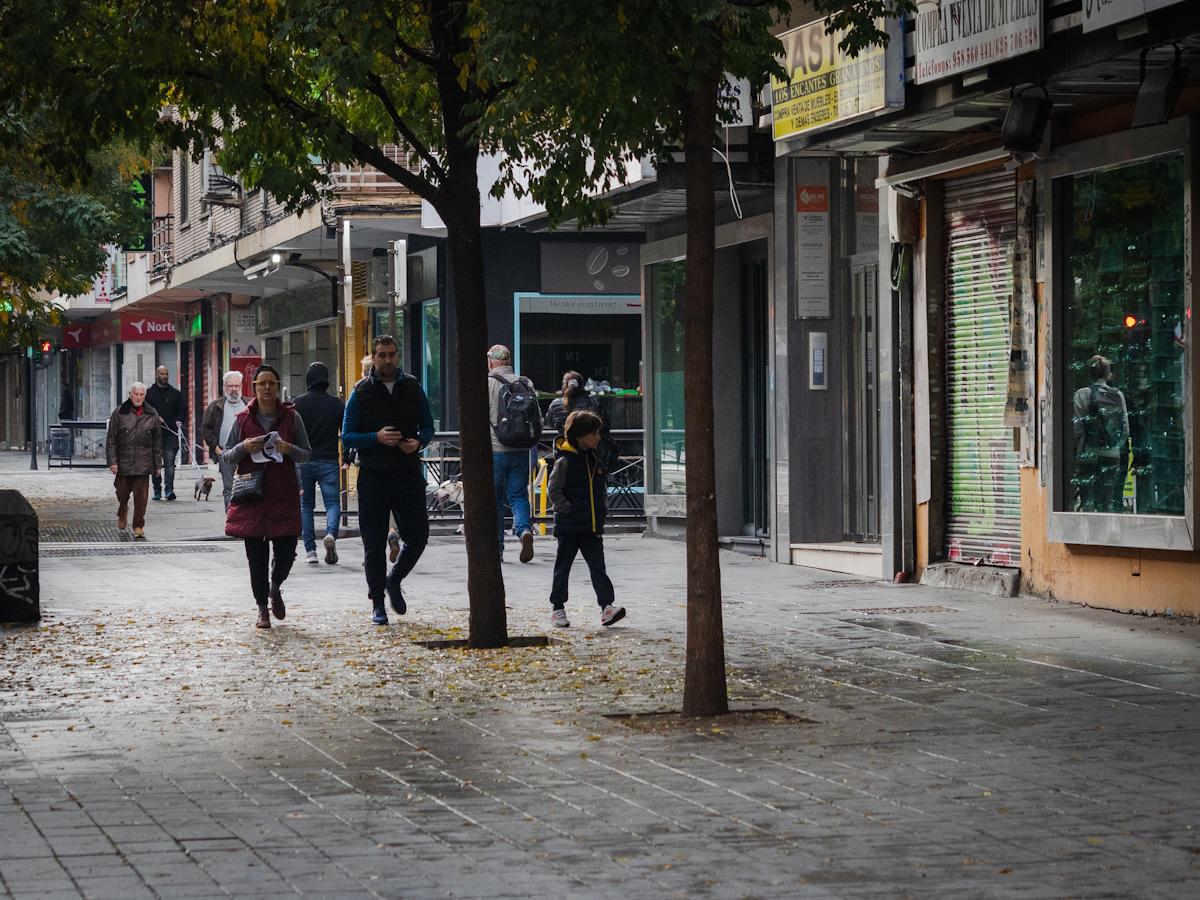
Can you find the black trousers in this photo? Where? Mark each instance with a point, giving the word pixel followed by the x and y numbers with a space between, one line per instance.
pixel 592 548
pixel 170 445
pixel 400 495
pixel 258 554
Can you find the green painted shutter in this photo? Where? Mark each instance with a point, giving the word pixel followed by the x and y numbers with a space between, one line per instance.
pixel 983 521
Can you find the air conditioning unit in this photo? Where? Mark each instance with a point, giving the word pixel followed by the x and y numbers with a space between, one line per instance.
pixel 218 188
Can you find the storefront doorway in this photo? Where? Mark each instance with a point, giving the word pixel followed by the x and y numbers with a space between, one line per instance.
pixel 756 349
pixel 983 519
pixel 860 444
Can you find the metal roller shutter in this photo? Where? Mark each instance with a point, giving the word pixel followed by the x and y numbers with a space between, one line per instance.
pixel 983 521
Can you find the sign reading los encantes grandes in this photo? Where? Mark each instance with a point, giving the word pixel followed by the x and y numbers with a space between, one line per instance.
pixel 826 87
pixel 961 35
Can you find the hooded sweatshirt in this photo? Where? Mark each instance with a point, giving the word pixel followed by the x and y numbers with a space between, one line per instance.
pixel 578 489
pixel 321 412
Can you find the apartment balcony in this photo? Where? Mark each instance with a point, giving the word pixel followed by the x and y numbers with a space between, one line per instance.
pixel 161 245
pixel 365 188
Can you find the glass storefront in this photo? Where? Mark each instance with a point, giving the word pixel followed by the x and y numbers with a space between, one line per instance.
pixel 431 357
pixel 666 334
pixel 1122 238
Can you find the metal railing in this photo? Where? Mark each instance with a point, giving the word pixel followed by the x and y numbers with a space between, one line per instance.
pixel 350 180
pixel 626 482
pixel 162 244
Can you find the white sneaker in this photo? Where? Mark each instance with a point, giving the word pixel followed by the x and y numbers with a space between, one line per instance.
pixel 330 550
pixel 311 557
pixel 611 614
pixel 558 619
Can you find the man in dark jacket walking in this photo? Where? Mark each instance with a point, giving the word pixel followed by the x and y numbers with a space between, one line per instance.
pixel 322 414
pixel 133 450
pixel 168 403
pixel 388 421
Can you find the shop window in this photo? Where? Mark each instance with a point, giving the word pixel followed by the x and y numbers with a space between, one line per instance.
pixel 381 324
pixel 1124 368
pixel 666 333
pixel 431 357
pixel 1121 453
pixel 600 337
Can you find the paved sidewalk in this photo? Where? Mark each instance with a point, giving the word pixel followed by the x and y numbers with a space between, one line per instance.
pixel 79 504
pixel 152 743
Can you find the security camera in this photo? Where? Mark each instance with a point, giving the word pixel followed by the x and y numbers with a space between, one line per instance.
pixel 263 268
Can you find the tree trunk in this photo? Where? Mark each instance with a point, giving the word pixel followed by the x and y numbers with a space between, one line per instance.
pixel 485 583
pixel 459 207
pixel 704 689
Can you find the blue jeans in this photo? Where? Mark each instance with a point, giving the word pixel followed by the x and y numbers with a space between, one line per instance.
pixel 510 476
pixel 323 472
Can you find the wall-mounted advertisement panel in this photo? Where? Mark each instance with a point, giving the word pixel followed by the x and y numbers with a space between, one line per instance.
pixel 827 88
pixel 1099 14
pixel 955 37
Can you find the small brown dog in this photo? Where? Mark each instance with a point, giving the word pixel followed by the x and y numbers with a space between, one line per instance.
pixel 203 485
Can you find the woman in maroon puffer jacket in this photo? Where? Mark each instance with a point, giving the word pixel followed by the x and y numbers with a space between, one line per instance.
pixel 272 521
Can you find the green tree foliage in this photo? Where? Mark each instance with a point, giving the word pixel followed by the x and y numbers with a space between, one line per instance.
pixel 568 91
pixel 53 225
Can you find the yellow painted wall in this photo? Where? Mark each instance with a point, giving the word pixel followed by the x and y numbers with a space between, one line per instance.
pixel 921 542
pixel 1108 577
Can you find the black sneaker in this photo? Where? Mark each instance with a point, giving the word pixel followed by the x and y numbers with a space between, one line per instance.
pixel 397 597
pixel 171 496
pixel 379 615
pixel 157 496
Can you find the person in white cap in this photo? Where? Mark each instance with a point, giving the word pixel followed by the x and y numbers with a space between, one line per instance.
pixel 516 423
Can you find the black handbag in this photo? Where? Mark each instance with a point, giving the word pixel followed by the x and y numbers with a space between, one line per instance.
pixel 247 486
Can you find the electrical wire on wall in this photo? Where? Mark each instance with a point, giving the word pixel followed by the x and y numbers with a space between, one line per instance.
pixel 901 259
pixel 733 197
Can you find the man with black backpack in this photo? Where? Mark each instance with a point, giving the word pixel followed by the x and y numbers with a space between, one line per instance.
pixel 516 428
pixel 1100 424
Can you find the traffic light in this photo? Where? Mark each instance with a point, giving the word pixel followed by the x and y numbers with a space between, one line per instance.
pixel 47 347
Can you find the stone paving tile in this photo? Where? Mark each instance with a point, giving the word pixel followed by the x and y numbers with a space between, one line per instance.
pixel 329 759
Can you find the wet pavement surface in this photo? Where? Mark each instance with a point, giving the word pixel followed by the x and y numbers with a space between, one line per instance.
pixel 940 743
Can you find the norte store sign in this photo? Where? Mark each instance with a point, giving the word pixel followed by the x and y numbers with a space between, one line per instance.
pixel 825 87
pixel 1099 13
pixel 961 35
pixel 132 326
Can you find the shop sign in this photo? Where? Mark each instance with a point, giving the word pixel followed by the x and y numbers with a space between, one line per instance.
pixel 110 281
pixel 244 353
pixel 1098 14
pixel 812 250
pixel 141 327
pixel 77 335
pixel 826 87
pixel 582 306
pixel 959 35
pixel 131 326
pixel 106 331
pixel 590 268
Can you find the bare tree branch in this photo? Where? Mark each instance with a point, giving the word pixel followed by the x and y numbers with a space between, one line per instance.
pixel 365 151
pixel 377 88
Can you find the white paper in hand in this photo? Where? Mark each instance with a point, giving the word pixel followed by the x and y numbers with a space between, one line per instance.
pixel 269 452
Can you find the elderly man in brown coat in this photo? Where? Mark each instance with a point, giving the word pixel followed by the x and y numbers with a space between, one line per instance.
pixel 133 449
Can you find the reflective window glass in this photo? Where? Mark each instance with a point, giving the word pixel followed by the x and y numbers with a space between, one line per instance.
pixel 1123 281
